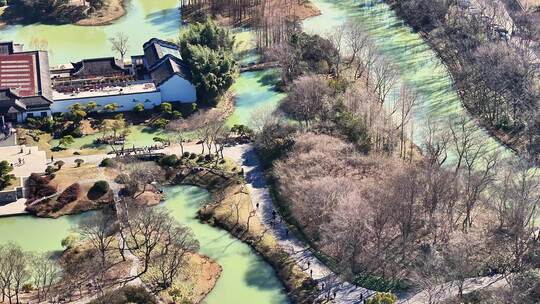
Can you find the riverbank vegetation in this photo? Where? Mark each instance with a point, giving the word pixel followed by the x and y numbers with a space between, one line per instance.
pixel 385 213
pixel 95 12
pixel 156 258
pixel 490 51
pixel 267 16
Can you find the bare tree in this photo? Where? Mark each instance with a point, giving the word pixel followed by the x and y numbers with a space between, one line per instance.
pixel 170 256
pixel 45 273
pixel 517 203
pixel 98 230
pixel 120 43
pixel 142 174
pixel 385 77
pixel 406 101
pixel 307 99
pixel 14 271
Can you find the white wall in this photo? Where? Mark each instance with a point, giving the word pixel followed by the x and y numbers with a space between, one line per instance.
pixel 178 89
pixel 126 101
pixel 35 113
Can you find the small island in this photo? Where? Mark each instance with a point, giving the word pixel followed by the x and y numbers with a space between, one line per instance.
pixel 80 12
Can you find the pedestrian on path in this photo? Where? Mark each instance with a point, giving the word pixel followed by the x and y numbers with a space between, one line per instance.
pixel 52 159
pixel 308 264
pixel 335 294
pixel 311 273
pixel 257 205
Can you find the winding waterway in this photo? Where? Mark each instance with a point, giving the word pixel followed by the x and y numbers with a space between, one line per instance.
pixel 418 65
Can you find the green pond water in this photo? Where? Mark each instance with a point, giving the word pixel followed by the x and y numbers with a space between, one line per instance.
pixel 144 19
pixel 37 234
pixel 417 63
pixel 246 278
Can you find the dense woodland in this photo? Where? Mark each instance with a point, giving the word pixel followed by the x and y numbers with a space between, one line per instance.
pixel 494 61
pixel 390 214
pixel 271 20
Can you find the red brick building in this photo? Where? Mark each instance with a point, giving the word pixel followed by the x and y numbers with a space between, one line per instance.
pixel 26 76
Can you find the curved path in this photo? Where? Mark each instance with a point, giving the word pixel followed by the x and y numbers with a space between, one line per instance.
pixel 334 287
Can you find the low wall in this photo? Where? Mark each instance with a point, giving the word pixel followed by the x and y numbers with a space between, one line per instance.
pixel 126 101
pixel 8 196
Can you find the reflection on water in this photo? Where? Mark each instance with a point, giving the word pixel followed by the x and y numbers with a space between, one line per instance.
pixel 246 278
pixel 145 19
pixel 417 63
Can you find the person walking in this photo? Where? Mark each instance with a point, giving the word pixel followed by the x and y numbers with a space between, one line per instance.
pixel 52 159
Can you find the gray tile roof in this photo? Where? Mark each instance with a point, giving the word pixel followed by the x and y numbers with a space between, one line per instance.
pixel 167 67
pixel 155 49
pixel 97 66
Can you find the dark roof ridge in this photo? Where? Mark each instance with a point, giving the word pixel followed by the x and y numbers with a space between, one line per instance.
pixel 160 42
pixel 165 58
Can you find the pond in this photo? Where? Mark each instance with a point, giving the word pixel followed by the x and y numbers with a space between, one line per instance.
pixel 418 65
pixel 246 278
pixel 144 19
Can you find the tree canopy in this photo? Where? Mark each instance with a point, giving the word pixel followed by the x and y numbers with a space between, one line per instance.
pixel 208 48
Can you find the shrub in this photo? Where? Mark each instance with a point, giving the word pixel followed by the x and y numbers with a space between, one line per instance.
pixel 383 298
pixel 79 162
pixel 185 155
pixel 59 164
pixel 139 108
pixel 99 189
pixel 27 287
pixel 107 162
pixel 192 156
pixel 70 194
pixel 208 157
pixel 169 161
pixel 127 294
pixel 160 123
pixel 200 158
pixel 69 241
pixel 38 186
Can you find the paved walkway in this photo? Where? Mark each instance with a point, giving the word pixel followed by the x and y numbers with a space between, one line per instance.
pixel 15 208
pixel 344 292
pixel 32 159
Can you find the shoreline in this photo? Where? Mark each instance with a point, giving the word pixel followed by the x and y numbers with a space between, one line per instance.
pixel 225 191
pixel 110 12
pixel 515 147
